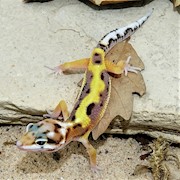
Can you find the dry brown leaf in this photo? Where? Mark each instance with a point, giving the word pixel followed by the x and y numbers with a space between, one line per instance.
pixel 121 100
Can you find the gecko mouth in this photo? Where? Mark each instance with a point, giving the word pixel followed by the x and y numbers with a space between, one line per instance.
pixel 35 147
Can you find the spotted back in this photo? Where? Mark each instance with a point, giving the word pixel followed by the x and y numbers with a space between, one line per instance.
pixel 95 92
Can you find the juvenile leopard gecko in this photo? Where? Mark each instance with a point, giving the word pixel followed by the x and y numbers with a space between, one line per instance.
pixel 51 134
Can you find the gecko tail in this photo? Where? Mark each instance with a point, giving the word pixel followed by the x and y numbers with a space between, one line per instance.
pixel 120 34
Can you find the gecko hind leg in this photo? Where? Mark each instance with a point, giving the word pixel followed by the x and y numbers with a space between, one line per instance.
pixel 90 150
pixel 61 109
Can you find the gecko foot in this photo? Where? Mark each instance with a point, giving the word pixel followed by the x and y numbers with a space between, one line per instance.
pixel 48 115
pixel 95 169
pixel 53 115
pixel 56 70
pixel 129 68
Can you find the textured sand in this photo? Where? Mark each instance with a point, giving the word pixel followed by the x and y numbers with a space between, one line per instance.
pixel 117 158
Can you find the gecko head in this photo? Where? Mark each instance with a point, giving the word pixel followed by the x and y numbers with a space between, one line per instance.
pixel 98 55
pixel 47 135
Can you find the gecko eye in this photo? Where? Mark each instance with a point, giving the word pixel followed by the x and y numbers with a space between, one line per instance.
pixel 29 126
pixel 41 142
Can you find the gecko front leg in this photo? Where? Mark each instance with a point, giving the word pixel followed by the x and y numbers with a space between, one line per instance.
pixel 129 68
pixel 121 66
pixel 73 66
pixel 61 108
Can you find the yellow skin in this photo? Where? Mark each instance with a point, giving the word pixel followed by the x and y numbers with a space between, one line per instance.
pixel 52 134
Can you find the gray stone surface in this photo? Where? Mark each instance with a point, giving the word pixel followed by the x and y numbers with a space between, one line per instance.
pixel 34 35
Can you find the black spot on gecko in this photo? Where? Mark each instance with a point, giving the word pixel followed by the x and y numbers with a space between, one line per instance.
pixel 88 91
pixel 84 87
pixel 98 62
pixel 73 118
pixel 89 108
pixel 107 88
pixel 57 126
pixel 102 46
pixel 100 95
pixel 102 76
pixel 38 126
pixel 97 58
pixel 77 125
pixel 129 30
pixel 50 141
pixel 142 23
pixel 135 28
pixel 76 107
pixel 101 104
pixel 110 41
pixel 45 132
pixel 80 99
pixel 118 36
pixel 39 137
pixel 112 31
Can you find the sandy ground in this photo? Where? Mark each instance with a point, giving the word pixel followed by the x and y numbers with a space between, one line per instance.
pixel 116 156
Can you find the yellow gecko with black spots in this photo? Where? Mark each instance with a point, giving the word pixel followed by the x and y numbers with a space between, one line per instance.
pixel 51 134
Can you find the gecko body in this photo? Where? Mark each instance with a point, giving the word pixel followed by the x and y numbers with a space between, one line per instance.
pixel 51 134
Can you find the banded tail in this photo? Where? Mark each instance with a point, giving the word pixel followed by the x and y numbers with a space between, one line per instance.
pixel 119 35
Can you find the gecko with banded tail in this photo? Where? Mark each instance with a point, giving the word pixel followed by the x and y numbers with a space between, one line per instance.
pixel 51 134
